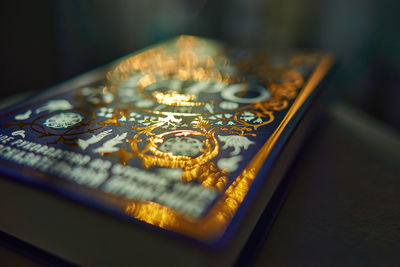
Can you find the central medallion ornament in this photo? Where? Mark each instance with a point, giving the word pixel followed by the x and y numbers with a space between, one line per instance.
pixel 63 120
pixel 184 146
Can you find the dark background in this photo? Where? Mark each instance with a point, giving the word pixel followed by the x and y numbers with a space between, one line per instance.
pixel 46 42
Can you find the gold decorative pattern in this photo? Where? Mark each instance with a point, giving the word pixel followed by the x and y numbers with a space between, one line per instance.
pixel 212 226
pixel 189 105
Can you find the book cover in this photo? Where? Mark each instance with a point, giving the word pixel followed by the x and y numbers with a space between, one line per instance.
pixel 179 136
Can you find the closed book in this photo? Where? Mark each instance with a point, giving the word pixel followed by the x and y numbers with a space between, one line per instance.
pixel 167 156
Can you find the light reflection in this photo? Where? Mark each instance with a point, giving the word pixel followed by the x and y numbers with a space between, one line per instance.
pixel 213 225
pixel 191 61
pixel 173 98
pixel 196 60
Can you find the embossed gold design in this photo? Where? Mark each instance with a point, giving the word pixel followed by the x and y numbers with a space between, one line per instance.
pixel 196 66
pixel 118 113
pixel 210 70
pixel 213 225
pixel 199 167
pixel 245 128
pixel 68 136
pixel 175 99
pixel 188 62
pixel 192 59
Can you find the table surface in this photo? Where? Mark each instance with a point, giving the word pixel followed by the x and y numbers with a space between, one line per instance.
pixel 343 205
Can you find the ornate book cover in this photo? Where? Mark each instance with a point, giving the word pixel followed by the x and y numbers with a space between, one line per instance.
pixel 178 136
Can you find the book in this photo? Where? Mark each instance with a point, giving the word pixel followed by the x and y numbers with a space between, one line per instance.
pixel 168 155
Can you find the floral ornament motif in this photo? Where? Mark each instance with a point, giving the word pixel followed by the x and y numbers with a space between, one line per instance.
pixel 185 149
pixel 200 122
pixel 247 116
pixel 170 121
pixel 253 118
pixel 57 127
pixel 118 116
pixel 235 141
pixel 244 123
pixel 63 120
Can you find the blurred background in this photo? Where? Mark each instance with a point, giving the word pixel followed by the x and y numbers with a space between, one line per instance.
pixel 46 42
pixel 344 205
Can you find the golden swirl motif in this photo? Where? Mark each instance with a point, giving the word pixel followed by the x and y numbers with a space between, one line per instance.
pixel 200 167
